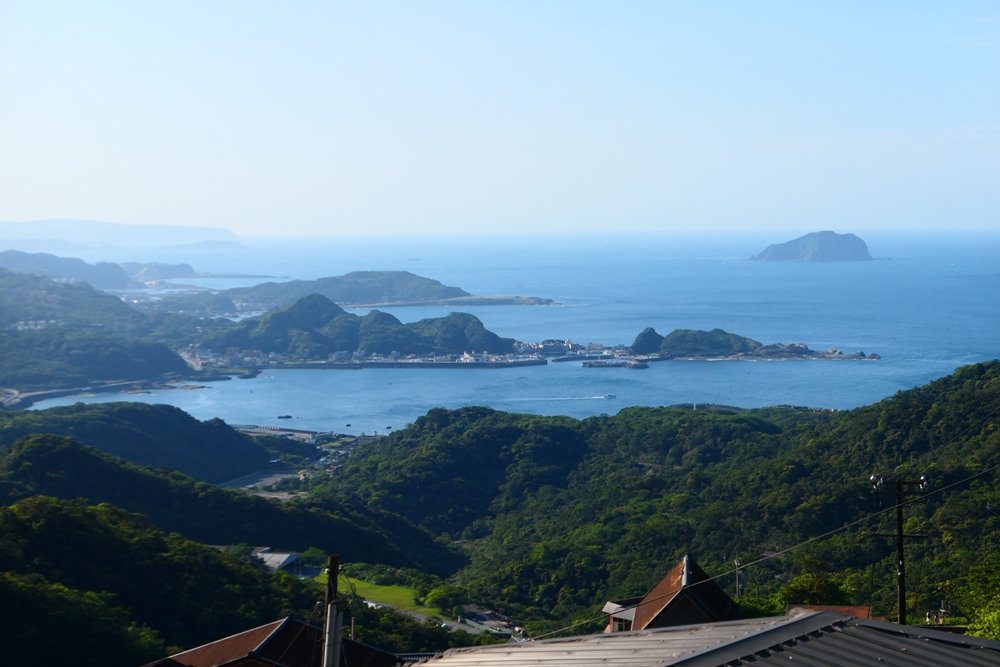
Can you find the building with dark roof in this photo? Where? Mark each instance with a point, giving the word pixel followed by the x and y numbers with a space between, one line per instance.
pixel 284 643
pixel 686 595
pixel 805 639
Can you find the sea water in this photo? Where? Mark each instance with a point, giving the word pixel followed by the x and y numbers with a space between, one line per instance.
pixel 927 305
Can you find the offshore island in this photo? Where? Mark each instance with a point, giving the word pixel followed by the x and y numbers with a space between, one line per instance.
pixel 65 337
pixel 817 247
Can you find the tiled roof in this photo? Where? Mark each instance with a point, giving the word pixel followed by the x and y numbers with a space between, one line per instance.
pixel 228 649
pixel 284 643
pixel 685 576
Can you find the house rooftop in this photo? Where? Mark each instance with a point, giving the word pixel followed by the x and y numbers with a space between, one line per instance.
pixel 284 643
pixel 810 639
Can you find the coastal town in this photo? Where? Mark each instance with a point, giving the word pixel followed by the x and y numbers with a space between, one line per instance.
pixel 591 355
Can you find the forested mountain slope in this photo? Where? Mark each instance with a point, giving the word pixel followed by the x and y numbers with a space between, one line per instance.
pixel 102 275
pixel 25 298
pixel 562 515
pixel 79 574
pixel 153 435
pixel 59 358
pixel 61 467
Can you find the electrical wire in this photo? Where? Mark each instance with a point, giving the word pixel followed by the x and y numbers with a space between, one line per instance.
pixel 871 583
pixel 782 552
pixel 296 637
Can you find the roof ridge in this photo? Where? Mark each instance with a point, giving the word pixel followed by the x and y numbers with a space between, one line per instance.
pixel 271 634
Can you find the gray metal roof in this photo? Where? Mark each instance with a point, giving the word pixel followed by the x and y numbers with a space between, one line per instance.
pixel 824 639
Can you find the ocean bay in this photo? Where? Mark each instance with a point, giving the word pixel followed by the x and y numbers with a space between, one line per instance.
pixel 928 310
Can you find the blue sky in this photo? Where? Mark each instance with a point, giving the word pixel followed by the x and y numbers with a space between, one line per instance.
pixel 444 117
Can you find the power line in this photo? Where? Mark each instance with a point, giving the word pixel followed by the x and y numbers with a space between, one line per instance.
pixel 782 552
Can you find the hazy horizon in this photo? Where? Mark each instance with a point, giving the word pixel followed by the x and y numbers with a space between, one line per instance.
pixel 445 118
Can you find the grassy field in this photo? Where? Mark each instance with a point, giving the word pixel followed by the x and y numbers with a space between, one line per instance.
pixel 396 596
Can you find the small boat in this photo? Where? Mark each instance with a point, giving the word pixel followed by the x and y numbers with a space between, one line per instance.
pixel 284 416
pixel 611 396
pixel 348 426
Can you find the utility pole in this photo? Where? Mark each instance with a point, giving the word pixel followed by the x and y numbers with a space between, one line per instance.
pixel 903 488
pixel 333 618
pixel 738 587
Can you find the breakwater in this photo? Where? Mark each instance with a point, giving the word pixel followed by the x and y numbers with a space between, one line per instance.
pixel 418 363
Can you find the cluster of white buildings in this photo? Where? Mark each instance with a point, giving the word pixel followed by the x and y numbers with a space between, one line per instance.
pixel 32 325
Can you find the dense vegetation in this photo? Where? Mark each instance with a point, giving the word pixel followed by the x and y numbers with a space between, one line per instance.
pixel 314 326
pixel 204 304
pixel 153 435
pixel 104 571
pixel 30 297
pixel 357 287
pixel 560 515
pixel 102 275
pixel 61 467
pixel 56 358
pixel 116 590
pixel 25 298
pixel 557 516
pixel 692 343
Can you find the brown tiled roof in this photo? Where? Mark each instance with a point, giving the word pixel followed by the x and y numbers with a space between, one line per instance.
pixel 226 650
pixel 661 595
pixel 685 576
pixel 284 643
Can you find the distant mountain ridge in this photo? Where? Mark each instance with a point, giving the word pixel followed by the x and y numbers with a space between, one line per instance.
pixel 357 287
pixel 95 233
pixel 103 275
pixel 817 247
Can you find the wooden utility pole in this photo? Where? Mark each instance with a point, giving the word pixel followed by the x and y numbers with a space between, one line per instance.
pixel 333 618
pixel 916 486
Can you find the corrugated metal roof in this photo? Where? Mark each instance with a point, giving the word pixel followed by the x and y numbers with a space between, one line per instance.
pixel 277 560
pixel 663 646
pixel 863 643
pixel 821 639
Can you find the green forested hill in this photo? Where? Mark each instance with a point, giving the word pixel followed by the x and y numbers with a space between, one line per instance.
pixel 352 288
pixel 314 326
pixel 25 298
pixel 693 343
pixel 102 275
pixel 31 297
pixel 561 515
pixel 154 435
pixel 61 467
pixel 55 358
pixel 73 570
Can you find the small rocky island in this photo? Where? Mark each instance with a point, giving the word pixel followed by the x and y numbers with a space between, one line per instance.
pixel 817 247
pixel 719 344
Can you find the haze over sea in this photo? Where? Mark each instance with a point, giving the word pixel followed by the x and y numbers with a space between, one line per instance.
pixel 927 306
